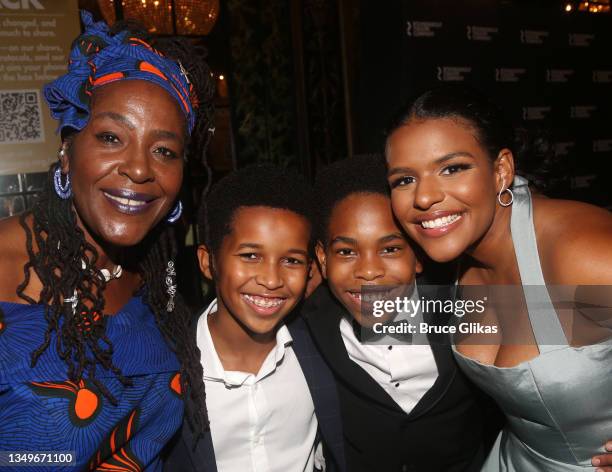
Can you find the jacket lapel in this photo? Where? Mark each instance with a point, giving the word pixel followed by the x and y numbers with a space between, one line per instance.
pixel 323 316
pixel 322 388
pixel 202 458
pixel 440 347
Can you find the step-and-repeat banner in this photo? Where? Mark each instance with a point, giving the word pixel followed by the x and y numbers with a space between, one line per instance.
pixel 551 70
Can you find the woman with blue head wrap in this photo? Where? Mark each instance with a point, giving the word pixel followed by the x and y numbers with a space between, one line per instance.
pixel 95 351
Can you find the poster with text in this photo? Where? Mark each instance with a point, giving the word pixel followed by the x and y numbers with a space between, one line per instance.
pixel 35 38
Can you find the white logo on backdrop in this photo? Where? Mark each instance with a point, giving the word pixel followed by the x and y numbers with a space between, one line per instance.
pixel 509 75
pixel 481 33
pixel 602 76
pixel 602 145
pixel 582 181
pixel 563 148
pixel 422 29
pixel 582 111
pixel 580 39
pixel 533 36
pixel 452 74
pixel 535 113
pixel 559 75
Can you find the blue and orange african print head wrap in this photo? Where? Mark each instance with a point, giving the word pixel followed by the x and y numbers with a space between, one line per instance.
pixel 97 58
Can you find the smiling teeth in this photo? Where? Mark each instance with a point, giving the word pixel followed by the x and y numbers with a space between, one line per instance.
pixel 370 297
pixel 126 201
pixel 440 222
pixel 264 302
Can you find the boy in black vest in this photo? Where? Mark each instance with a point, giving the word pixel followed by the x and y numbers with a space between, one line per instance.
pixel 404 407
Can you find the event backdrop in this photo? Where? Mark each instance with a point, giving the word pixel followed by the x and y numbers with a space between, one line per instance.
pixel 549 69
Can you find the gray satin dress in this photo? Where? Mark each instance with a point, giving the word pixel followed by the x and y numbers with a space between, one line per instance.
pixel 558 405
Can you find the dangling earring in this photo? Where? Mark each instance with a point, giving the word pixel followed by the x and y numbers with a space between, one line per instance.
pixel 502 191
pixel 63 191
pixel 170 286
pixel 175 214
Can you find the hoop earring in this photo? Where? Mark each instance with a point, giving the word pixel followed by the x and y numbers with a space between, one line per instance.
pixel 501 192
pixel 63 191
pixel 175 214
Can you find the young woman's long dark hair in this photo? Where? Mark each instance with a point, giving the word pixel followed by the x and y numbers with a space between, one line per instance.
pixel 65 262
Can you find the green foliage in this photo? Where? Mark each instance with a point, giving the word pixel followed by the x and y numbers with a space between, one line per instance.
pixel 262 82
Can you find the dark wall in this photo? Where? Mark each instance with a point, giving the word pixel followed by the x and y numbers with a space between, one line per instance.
pixel 550 70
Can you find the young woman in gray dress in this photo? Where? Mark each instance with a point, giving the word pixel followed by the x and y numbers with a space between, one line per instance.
pixel 455 192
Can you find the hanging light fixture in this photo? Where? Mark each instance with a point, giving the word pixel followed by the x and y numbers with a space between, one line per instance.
pixel 174 17
pixel 594 6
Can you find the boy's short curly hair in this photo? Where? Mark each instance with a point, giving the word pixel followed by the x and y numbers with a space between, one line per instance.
pixel 360 174
pixel 257 185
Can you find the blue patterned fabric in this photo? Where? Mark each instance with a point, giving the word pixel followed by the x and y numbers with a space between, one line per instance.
pixel 97 58
pixel 40 410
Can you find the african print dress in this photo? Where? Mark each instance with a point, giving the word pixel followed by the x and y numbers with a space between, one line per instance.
pixel 42 412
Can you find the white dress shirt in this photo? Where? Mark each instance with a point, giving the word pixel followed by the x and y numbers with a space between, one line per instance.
pixel 262 422
pixel 405 371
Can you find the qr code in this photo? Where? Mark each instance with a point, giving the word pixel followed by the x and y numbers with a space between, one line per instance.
pixel 20 117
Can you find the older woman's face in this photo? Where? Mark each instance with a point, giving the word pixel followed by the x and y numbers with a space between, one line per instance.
pixel 126 165
pixel 443 186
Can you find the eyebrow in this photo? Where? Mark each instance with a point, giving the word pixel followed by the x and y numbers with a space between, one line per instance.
pixel 260 246
pixel 343 239
pixel 301 252
pixel 391 237
pixel 163 134
pixel 250 246
pixel 159 133
pixel 384 239
pixel 115 117
pixel 438 161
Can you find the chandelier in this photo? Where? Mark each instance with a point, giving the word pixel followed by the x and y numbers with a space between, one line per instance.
pixel 173 17
pixel 591 6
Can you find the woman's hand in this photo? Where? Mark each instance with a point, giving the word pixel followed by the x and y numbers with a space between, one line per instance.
pixel 603 462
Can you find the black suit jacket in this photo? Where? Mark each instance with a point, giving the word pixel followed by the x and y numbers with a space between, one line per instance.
pixel 444 431
pixel 181 456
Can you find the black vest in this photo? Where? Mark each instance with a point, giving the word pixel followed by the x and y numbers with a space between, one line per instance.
pixel 444 431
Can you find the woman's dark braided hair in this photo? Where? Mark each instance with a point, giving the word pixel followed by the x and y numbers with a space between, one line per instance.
pixel 65 264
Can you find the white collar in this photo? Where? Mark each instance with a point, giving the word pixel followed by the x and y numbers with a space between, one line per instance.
pixel 213 368
pixel 348 333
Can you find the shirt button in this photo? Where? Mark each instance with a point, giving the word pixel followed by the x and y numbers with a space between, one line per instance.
pixel 390 347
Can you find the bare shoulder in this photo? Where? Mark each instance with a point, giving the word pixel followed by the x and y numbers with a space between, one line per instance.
pixel 574 241
pixel 13 256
